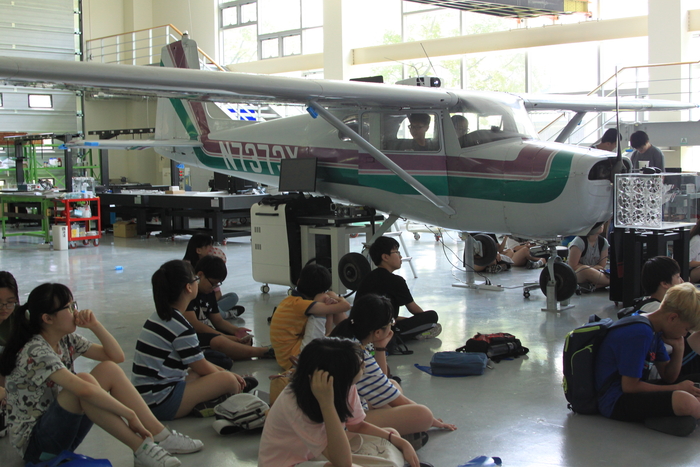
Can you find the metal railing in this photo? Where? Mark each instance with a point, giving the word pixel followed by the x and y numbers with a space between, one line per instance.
pixel 141 47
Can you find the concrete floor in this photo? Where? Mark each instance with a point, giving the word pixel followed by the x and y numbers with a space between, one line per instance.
pixel 516 410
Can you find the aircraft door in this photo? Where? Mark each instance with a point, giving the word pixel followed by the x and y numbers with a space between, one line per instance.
pixel 414 141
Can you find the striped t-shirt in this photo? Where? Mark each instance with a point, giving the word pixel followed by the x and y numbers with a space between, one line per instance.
pixel 163 352
pixel 374 387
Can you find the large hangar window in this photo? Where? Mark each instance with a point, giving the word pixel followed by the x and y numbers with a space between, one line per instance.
pixel 261 29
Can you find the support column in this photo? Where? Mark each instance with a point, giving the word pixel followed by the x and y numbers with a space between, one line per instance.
pixel 669 42
pixel 337 30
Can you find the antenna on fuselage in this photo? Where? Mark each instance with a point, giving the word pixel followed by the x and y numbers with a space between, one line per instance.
pixel 429 61
pixel 618 167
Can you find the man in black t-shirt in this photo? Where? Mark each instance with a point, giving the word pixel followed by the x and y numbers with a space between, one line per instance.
pixel 382 281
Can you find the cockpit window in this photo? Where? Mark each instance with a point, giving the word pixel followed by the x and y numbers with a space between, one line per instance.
pixel 409 132
pixel 479 121
pixel 352 122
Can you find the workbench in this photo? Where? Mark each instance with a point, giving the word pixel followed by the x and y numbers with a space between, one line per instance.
pixel 175 211
pixel 18 206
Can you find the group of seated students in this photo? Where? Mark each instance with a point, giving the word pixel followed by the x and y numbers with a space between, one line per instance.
pixel 50 408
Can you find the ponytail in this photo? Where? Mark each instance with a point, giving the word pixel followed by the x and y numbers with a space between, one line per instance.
pixel 168 283
pixel 368 314
pixel 28 320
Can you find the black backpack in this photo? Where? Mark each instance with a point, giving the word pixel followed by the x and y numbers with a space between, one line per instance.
pixel 580 352
pixel 496 346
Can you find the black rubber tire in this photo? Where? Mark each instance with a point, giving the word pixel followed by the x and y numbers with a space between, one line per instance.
pixel 565 278
pixel 352 269
pixel 488 248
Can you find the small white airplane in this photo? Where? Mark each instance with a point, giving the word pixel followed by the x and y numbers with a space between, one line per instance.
pixel 497 177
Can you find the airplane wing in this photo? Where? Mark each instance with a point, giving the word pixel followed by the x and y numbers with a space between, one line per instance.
pixel 546 102
pixel 132 144
pixel 215 86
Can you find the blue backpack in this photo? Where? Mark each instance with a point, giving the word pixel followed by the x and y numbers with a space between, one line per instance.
pixel 580 352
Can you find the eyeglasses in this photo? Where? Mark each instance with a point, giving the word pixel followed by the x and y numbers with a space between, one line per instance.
pixel 8 305
pixel 196 279
pixel 72 306
pixel 396 251
pixel 215 283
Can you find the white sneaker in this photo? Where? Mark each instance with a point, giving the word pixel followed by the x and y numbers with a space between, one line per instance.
pixel 177 443
pixel 430 333
pixel 152 455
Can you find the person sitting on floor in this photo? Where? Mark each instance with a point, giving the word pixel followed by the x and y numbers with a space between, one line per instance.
pixel 369 324
pixel 382 281
pixel 627 353
pixel 212 330
pixel 309 312
pixel 199 246
pixel 588 257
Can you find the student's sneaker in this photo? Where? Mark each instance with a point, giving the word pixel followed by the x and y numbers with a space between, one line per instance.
pixel 417 440
pixel 206 409
pixel 234 312
pixel 534 264
pixel 250 383
pixel 494 268
pixel 152 455
pixel 177 443
pixel 270 354
pixel 430 333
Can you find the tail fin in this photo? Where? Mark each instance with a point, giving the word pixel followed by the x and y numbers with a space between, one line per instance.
pixel 180 54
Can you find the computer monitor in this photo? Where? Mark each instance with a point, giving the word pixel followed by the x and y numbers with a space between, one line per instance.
pixel 298 175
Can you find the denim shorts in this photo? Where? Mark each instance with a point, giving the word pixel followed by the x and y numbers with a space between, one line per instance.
pixel 55 431
pixel 166 410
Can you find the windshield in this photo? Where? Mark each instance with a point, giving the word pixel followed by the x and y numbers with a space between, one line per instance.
pixel 480 119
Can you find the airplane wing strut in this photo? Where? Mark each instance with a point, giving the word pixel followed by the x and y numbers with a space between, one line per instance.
pixel 570 127
pixel 383 159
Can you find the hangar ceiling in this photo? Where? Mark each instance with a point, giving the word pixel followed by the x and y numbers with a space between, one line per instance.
pixel 514 8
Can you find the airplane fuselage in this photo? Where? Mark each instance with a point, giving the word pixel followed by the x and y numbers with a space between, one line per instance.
pixel 493 184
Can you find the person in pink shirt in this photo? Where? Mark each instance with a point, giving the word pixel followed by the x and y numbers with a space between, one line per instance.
pixel 306 425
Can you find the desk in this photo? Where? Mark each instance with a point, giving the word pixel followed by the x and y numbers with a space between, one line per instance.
pixel 176 210
pixel 11 204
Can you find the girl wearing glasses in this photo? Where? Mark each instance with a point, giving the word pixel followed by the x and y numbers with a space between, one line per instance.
pixel 9 298
pixel 369 324
pixel 169 368
pixel 51 408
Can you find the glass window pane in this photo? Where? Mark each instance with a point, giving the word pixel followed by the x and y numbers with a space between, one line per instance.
pixel 431 25
pixel 240 45
pixel 383 26
pixel 229 16
pixel 40 101
pixel 312 40
pixel 475 23
pixel 311 13
pixel 564 68
pixel 278 15
pixel 495 71
pixel 291 45
pixel 249 13
pixel 270 48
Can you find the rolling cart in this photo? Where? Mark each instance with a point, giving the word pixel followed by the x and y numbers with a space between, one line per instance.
pixel 71 212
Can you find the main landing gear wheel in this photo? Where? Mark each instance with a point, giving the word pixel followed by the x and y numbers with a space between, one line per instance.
pixel 489 250
pixel 352 269
pixel 565 278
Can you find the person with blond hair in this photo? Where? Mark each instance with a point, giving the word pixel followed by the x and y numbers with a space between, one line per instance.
pixel 627 354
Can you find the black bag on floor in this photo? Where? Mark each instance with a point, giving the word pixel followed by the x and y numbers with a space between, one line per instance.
pixel 496 346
